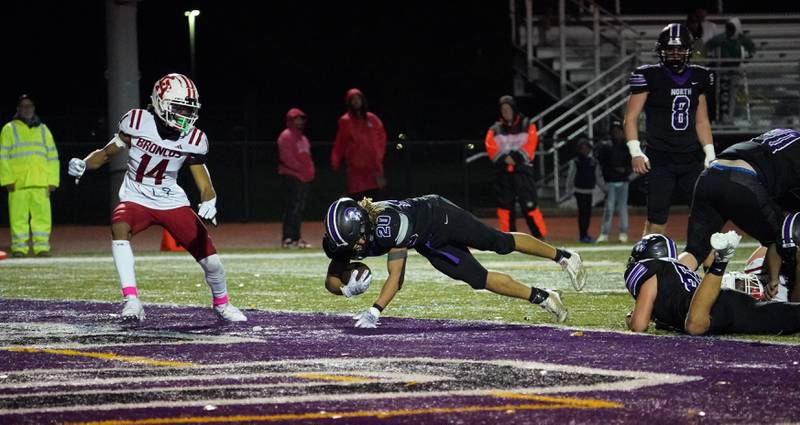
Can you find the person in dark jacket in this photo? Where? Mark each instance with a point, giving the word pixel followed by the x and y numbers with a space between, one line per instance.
pixel 511 144
pixel 297 169
pixel 581 181
pixel 615 162
pixel 361 143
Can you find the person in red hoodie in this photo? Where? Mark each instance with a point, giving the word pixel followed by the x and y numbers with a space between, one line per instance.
pixel 361 143
pixel 297 168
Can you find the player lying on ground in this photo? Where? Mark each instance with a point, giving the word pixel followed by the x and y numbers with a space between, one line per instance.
pixel 442 233
pixel 675 297
pixel 755 279
pixel 159 140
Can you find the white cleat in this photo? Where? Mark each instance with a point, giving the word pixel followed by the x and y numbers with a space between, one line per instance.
pixel 229 313
pixel 574 268
pixel 554 305
pixel 132 311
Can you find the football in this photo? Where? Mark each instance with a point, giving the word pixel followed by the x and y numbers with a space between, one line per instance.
pixel 357 267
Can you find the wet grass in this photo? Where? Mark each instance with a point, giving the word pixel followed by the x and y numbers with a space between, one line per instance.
pixel 263 280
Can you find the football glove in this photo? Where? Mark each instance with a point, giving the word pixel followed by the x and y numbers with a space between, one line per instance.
pixel 724 245
pixel 357 285
pixel 208 210
pixel 76 168
pixel 711 155
pixel 368 319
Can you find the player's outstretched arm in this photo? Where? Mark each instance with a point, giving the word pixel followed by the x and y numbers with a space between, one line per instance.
pixel 97 158
pixel 639 319
pixel 396 265
pixel 698 319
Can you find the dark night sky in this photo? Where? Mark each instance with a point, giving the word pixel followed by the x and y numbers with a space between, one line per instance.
pixel 433 69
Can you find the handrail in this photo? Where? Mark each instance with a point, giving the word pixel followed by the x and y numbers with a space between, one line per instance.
pixel 585 86
pixel 592 109
pixel 597 93
pixel 607 13
pixel 602 115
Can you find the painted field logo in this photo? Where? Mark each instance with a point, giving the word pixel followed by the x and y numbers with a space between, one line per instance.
pixel 299 381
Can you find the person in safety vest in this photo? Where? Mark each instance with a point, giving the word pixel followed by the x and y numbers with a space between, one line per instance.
pixel 29 171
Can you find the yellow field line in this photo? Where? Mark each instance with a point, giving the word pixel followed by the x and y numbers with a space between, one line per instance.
pixel 566 401
pixel 553 403
pixel 104 356
pixel 327 377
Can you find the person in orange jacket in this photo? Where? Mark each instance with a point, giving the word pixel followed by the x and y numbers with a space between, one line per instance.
pixel 511 144
pixel 361 143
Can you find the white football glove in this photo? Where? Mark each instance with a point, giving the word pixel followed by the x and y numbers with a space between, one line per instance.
pixel 208 210
pixel 76 168
pixel 357 285
pixel 367 319
pixel 711 155
pixel 635 149
pixel 724 245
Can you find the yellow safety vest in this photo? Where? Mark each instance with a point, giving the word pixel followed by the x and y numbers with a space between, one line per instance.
pixel 28 156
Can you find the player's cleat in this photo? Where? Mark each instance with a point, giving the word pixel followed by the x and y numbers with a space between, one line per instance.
pixel 229 313
pixel 554 305
pixel 574 268
pixel 132 311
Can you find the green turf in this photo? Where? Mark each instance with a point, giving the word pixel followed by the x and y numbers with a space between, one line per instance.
pixel 293 281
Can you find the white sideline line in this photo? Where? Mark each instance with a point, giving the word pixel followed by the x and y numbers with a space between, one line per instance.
pixel 271 256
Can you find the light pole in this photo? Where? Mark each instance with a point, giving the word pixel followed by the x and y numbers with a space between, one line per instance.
pixel 191 14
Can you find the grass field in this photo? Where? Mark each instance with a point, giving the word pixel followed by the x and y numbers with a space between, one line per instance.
pixel 292 281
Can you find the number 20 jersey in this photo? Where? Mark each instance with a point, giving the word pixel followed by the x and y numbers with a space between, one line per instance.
pixel 671 104
pixel 153 163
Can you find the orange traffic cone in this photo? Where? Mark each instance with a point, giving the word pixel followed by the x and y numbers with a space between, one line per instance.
pixel 168 243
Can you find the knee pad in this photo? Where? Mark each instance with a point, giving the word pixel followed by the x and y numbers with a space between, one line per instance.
pixel 212 265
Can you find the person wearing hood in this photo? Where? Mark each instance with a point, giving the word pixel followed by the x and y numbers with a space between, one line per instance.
pixel 29 171
pixel 511 144
pixel 731 48
pixel 361 143
pixel 297 168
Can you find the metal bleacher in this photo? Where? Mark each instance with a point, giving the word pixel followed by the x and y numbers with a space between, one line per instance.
pixel 584 73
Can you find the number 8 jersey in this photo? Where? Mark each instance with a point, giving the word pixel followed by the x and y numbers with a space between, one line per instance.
pixel 153 162
pixel 671 104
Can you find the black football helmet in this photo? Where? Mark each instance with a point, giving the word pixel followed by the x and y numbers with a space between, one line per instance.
pixel 345 223
pixel 653 246
pixel 674 46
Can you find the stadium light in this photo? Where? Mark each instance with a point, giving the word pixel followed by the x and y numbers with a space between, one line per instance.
pixel 191 14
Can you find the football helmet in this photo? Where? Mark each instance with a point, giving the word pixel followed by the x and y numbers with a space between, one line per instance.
pixel 749 283
pixel 345 223
pixel 176 101
pixel 653 246
pixel 674 46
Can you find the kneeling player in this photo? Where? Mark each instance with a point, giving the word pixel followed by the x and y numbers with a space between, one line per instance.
pixel 442 233
pixel 159 140
pixel 674 296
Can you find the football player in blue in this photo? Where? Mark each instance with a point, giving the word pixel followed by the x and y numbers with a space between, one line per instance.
pixel 675 297
pixel 442 233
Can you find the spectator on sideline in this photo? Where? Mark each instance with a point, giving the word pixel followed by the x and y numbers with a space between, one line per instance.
pixel 615 162
pixel 511 144
pixel 361 143
pixel 581 181
pixel 731 45
pixel 297 170
pixel 29 170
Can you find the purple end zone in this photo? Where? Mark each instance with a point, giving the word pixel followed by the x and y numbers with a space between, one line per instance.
pixel 726 381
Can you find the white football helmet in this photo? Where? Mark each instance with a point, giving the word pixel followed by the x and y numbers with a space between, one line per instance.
pixel 749 283
pixel 176 101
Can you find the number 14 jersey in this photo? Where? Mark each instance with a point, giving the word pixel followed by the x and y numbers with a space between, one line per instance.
pixel 153 162
pixel 671 104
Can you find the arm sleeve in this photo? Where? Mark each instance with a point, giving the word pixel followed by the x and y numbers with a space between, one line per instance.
pixel 748 44
pixel 638 274
pixel 6 144
pixel 53 165
pixel 380 147
pixel 531 143
pixel 492 148
pixel 638 82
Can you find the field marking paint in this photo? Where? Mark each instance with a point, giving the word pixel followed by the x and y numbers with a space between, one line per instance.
pixel 577 402
pixel 381 414
pixel 98 355
pixel 638 380
pixel 265 256
pixel 329 377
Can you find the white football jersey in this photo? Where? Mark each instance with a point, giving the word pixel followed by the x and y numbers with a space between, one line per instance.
pixel 153 164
